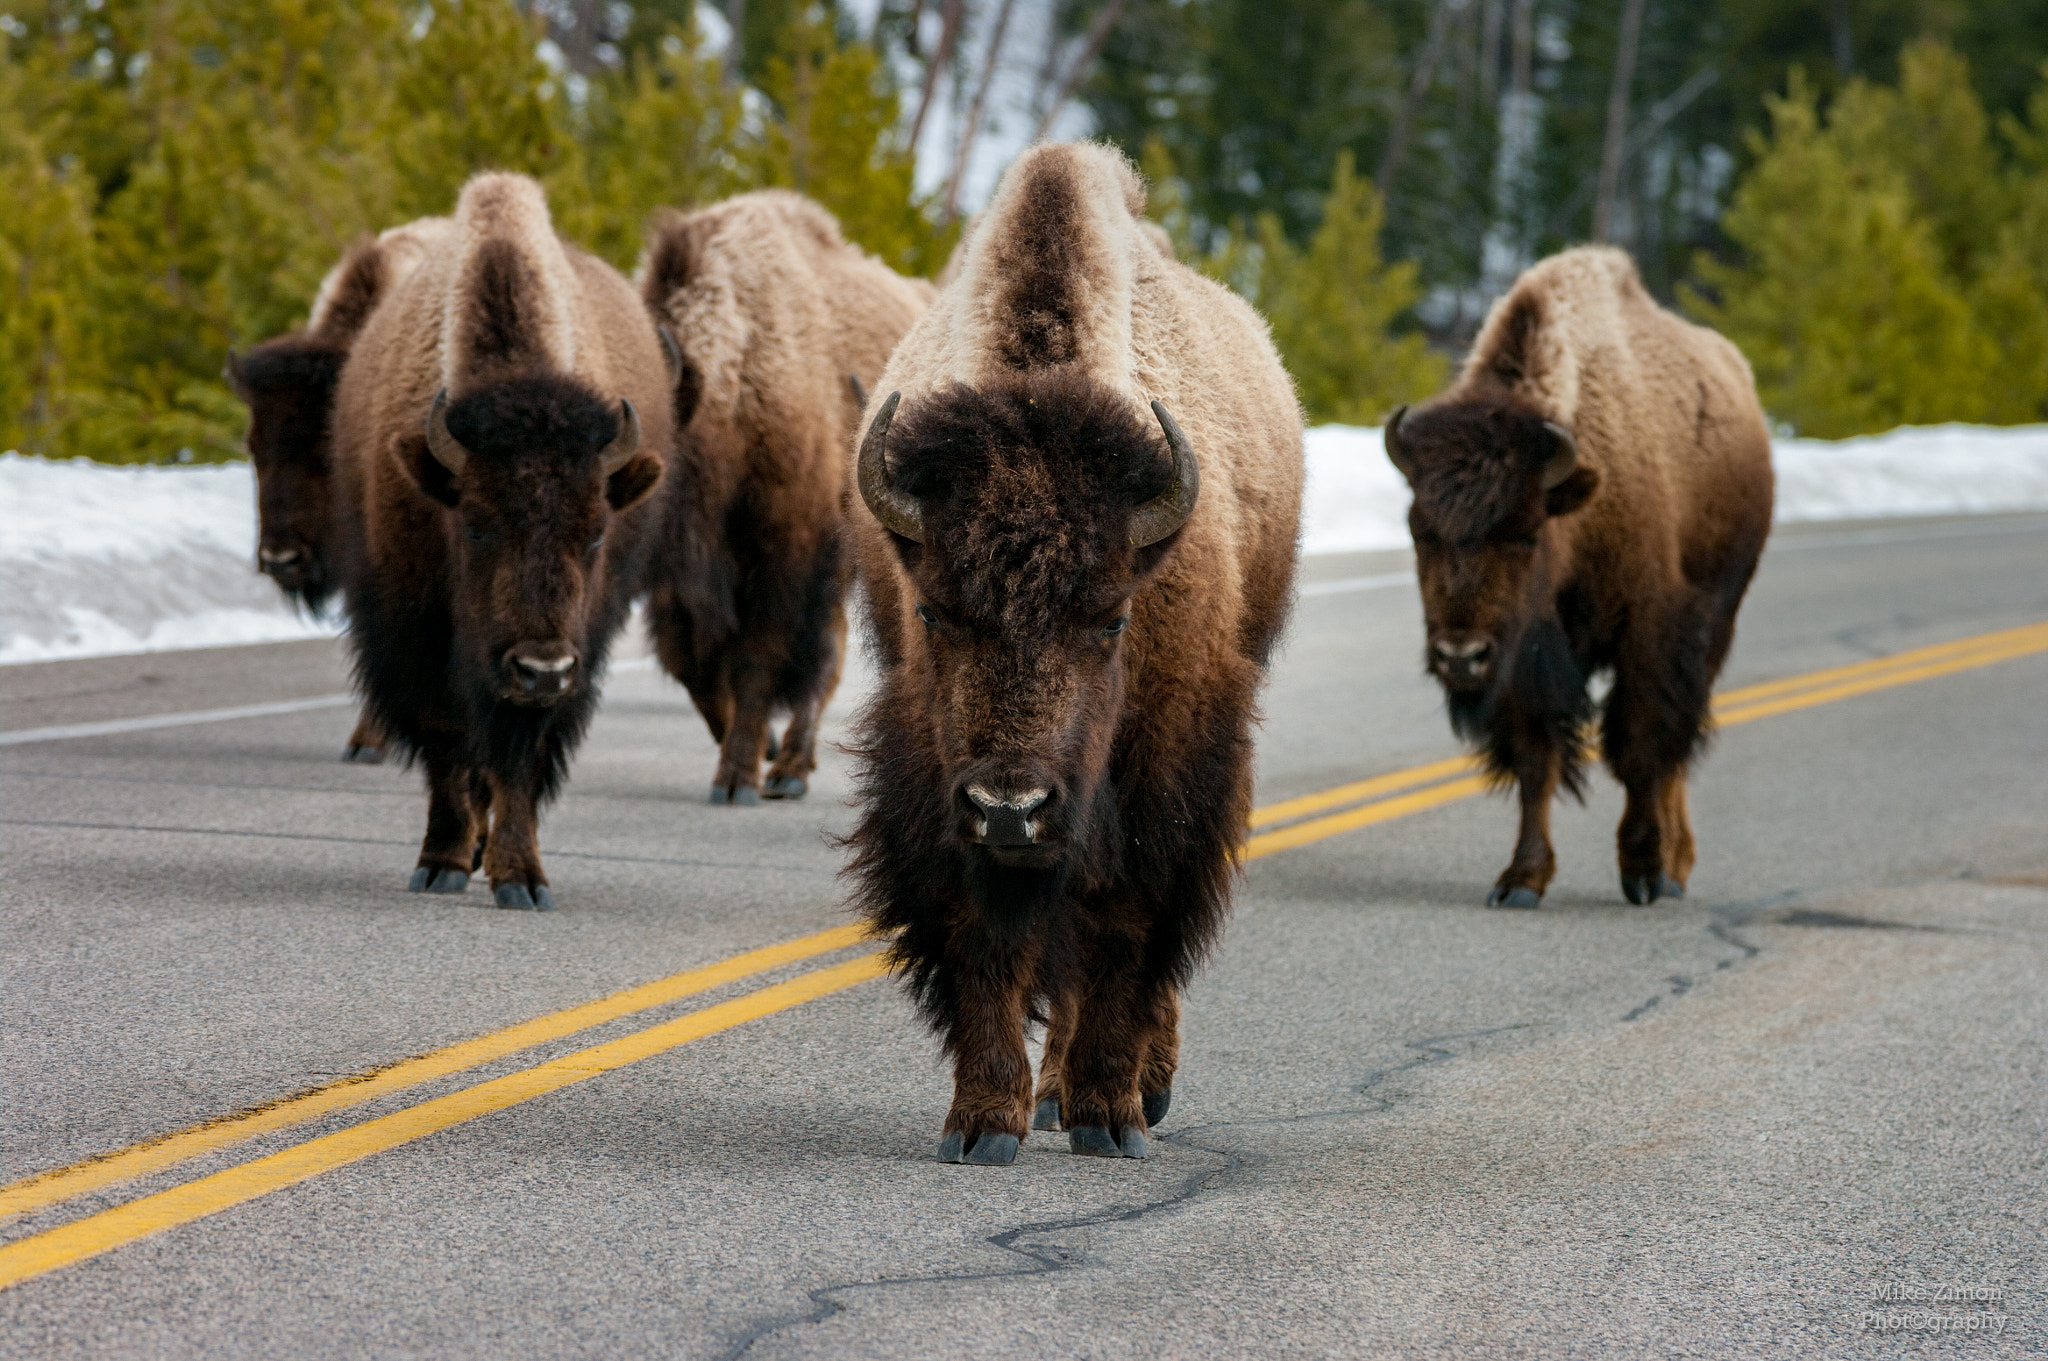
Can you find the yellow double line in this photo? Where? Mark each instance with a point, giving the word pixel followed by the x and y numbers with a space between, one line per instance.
pixel 1386 797
pixel 1295 823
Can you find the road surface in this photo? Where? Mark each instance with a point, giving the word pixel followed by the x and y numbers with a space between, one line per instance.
pixel 1807 1104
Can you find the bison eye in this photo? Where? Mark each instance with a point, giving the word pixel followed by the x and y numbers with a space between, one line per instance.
pixel 929 615
pixel 475 535
pixel 1115 626
pixel 595 543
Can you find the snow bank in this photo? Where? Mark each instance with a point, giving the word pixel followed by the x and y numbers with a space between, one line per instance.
pixel 97 560
pixel 1356 501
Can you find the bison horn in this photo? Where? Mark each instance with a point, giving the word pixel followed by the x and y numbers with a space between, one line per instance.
pixel 671 353
pixel 1395 453
pixel 898 510
pixel 447 450
pixel 626 443
pixel 1564 459
pixel 1169 510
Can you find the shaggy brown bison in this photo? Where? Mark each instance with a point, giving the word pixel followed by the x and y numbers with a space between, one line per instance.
pixel 288 385
pixel 1082 494
pixel 1591 495
pixel 499 425
pixel 772 311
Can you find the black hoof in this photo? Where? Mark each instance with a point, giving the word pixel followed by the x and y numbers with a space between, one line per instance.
pixel 1092 1141
pixel 953 1148
pixel 992 1150
pixel 1047 1116
pixel 1155 1107
pixel 1667 887
pixel 427 879
pixel 1134 1144
pixel 1503 896
pixel 786 787
pixel 1642 889
pixel 518 896
pixel 746 796
pixel 363 756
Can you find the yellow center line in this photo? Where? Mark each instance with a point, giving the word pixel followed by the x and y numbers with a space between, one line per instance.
pixel 1732 708
pixel 153 1155
pixel 208 1195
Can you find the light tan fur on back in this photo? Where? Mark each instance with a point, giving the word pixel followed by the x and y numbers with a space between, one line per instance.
pixel 367 272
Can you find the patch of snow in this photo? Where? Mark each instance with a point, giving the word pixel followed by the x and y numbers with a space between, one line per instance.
pixel 1356 501
pixel 97 560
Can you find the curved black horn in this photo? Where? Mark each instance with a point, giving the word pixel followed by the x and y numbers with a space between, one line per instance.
pixel 447 450
pixel 671 353
pixel 1561 463
pixel 1169 510
pixel 898 511
pixel 626 443
pixel 1395 453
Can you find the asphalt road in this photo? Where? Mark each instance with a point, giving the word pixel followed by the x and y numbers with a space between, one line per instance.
pixel 1405 1125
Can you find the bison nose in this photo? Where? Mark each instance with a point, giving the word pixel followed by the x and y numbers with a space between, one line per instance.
pixel 542 673
pixel 1004 817
pixel 1462 657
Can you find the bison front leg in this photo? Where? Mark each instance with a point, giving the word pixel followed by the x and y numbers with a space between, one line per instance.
pixel 1655 716
pixel 1162 1058
pixel 512 856
pixel 366 743
pixel 739 757
pixel 1528 875
pixel 789 776
pixel 456 823
pixel 991 1070
pixel 1104 1111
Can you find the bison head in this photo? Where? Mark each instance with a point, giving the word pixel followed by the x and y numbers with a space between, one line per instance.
pixel 1026 515
pixel 1488 481
pixel 288 385
pixel 533 470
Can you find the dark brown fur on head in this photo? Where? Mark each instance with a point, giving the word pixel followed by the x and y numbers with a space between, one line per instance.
pixel 531 511
pixel 1486 563
pixel 1023 584
pixel 288 384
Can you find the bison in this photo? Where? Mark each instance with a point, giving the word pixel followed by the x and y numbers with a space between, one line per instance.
pixel 500 424
pixel 772 312
pixel 1591 496
pixel 288 384
pixel 1081 498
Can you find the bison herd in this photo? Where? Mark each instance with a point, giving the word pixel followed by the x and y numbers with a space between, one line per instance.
pixel 1072 511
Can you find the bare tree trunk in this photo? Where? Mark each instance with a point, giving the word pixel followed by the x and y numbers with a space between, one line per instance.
pixel 1098 37
pixel 1617 118
pixel 972 130
pixel 736 50
pixel 1418 86
pixel 1489 53
pixel 1845 46
pixel 950 14
pixel 1524 46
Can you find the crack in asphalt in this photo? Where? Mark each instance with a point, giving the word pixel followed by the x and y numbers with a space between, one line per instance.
pixel 1040 1259
pixel 1045 1258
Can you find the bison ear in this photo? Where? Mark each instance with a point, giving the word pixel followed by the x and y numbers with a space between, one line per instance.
pixel 428 473
pixel 630 484
pixel 232 371
pixel 1397 452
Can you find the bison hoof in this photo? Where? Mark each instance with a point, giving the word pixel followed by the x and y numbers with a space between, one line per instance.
pixel 745 796
pixel 363 756
pixel 1503 896
pixel 1155 1107
pixel 1047 1116
pixel 518 896
pixel 785 787
pixel 1094 1141
pixel 428 879
pixel 992 1150
pixel 1644 889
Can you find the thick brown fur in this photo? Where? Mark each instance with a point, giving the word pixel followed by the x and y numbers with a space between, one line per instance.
pixel 288 384
pixel 774 314
pixel 1633 564
pixel 1026 436
pixel 531 551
